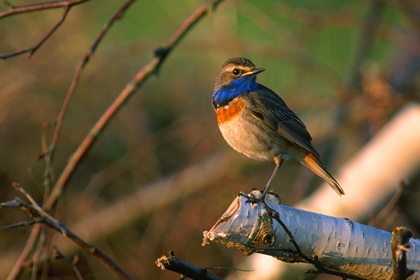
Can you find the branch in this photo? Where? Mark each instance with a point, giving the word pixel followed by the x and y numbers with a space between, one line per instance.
pixel 33 49
pixel 39 6
pixel 55 27
pixel 151 68
pixel 73 263
pixel 32 239
pixel 41 216
pixel 49 156
pixel 35 7
pixel 170 262
pixel 333 245
pixel 386 212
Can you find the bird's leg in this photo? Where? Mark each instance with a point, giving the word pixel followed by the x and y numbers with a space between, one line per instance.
pixel 278 161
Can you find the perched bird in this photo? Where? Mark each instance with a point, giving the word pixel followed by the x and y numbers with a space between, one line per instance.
pixel 256 122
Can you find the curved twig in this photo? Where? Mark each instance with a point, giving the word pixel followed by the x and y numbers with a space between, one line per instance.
pixel 49 156
pixel 148 70
pixel 36 212
pixel 38 6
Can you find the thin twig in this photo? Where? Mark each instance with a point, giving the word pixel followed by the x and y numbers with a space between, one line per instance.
pixel 148 70
pixel 25 253
pixel 137 81
pixel 35 7
pixel 35 211
pixel 170 262
pixel 54 142
pixel 21 224
pixel 73 263
pixel 6 56
pixel 33 49
pixel 55 27
pixel 392 203
pixel 39 253
pixel 13 10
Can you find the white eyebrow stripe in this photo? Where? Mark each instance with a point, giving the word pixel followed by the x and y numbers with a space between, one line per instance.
pixel 231 67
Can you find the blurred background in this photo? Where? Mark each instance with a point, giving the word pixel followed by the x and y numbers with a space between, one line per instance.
pixel 344 67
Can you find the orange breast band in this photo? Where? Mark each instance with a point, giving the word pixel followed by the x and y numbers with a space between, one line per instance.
pixel 230 111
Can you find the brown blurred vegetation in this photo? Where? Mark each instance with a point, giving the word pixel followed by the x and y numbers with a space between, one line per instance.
pixel 316 59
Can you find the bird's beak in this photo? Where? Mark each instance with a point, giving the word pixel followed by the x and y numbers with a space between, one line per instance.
pixel 254 72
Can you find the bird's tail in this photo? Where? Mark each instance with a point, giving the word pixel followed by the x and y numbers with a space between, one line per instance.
pixel 316 166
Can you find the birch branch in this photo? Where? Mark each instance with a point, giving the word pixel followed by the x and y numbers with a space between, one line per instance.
pixel 335 246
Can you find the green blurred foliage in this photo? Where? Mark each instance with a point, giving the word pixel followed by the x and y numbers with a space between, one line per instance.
pixel 307 46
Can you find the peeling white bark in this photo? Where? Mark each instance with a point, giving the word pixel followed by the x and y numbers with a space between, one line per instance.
pixel 337 244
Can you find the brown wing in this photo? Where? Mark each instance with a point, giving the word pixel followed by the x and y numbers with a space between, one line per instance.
pixel 273 112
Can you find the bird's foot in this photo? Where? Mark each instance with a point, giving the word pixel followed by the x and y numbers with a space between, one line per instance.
pixel 252 197
pixel 256 196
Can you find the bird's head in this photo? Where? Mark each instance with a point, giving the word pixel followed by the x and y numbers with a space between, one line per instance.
pixel 236 71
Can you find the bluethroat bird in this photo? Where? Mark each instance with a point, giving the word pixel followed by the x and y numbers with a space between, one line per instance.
pixel 256 122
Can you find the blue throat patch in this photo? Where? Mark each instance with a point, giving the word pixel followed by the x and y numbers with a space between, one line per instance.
pixel 227 93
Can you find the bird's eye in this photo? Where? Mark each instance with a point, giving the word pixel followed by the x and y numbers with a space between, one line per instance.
pixel 236 71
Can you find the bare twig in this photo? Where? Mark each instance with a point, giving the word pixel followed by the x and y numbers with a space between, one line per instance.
pixel 26 252
pixel 13 10
pixel 170 262
pixel 35 7
pixel 33 49
pixel 148 70
pixel 40 250
pixel 49 156
pixel 6 56
pixel 21 224
pixel 35 211
pixel 55 27
pixel 386 210
pixel 73 263
pixel 136 82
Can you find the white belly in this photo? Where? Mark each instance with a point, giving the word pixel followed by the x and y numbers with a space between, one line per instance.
pixel 251 140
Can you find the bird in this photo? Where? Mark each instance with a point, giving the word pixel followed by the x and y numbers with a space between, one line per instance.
pixel 256 122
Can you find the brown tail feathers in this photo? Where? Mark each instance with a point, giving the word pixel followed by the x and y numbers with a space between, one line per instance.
pixel 316 166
